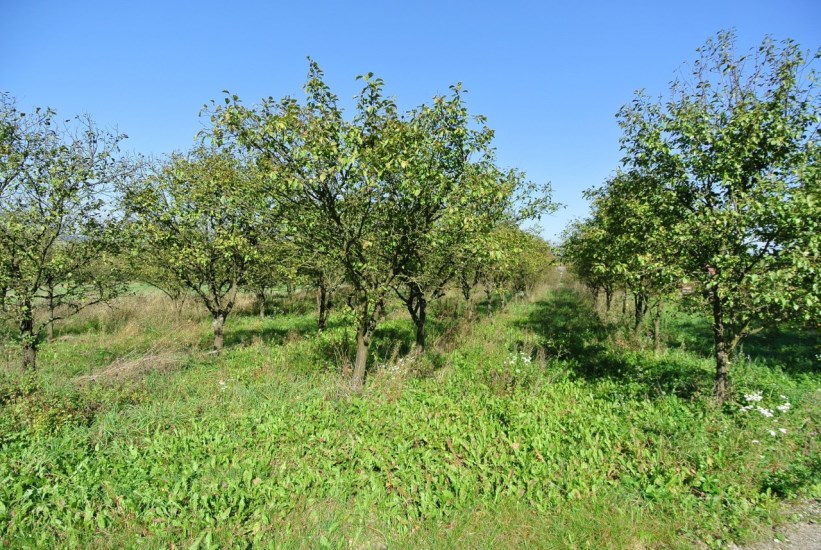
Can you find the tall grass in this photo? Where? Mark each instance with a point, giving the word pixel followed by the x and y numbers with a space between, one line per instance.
pixel 533 428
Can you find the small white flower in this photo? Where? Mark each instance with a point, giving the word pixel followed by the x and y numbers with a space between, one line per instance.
pixel 784 408
pixel 753 397
pixel 755 441
pixel 784 397
pixel 746 408
pixel 772 432
pixel 765 412
pixel 782 430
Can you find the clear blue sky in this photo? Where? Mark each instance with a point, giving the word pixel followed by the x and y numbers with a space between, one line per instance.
pixel 549 76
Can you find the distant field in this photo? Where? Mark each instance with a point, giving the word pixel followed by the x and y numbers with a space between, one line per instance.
pixel 538 427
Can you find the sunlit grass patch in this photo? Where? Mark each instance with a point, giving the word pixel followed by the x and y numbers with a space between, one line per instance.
pixel 519 436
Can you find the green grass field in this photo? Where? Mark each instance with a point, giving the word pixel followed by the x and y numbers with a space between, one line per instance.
pixel 538 427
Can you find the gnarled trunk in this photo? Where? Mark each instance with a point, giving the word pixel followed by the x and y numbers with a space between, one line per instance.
pixel 369 315
pixel 363 341
pixel 418 308
pixel 218 324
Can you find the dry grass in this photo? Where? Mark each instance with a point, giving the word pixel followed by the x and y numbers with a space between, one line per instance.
pixel 134 365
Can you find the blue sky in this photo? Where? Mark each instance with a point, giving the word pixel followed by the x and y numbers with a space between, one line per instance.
pixel 549 76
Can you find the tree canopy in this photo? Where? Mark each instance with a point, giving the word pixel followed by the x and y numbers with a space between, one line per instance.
pixel 380 193
pixel 720 191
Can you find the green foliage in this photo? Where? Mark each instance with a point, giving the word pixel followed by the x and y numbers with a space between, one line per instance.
pixel 393 199
pixel 194 219
pixel 30 412
pixel 735 154
pixel 57 238
pixel 514 261
pixel 721 194
pixel 539 418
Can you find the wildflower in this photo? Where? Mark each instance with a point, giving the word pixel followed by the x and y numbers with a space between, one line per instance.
pixel 784 408
pixel 222 385
pixel 765 412
pixel 755 441
pixel 784 397
pixel 772 432
pixel 753 397
pixel 782 430
pixel 746 408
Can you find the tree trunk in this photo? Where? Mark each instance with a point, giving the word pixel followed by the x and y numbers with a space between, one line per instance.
pixel 261 303
pixel 640 308
pixel 417 307
pixel 624 304
pixel 465 286
pixel 50 325
pixel 29 338
pixel 722 353
pixel 363 341
pixel 324 303
pixel 489 294
pixel 608 298
pixel 179 303
pixel 657 326
pixel 218 325
pixel 420 328
pixel 29 355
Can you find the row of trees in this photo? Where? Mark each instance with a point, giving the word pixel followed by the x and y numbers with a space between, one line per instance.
pixel 57 242
pixel 719 194
pixel 388 204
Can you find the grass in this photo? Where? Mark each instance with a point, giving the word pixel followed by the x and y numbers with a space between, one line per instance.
pixel 536 427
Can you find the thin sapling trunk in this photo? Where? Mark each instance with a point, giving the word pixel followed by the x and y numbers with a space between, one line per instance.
pixel 29 338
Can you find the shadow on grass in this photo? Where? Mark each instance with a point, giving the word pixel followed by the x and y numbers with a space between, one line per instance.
pixel 392 341
pixel 795 351
pixel 792 349
pixel 570 330
pixel 298 303
pixel 275 331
